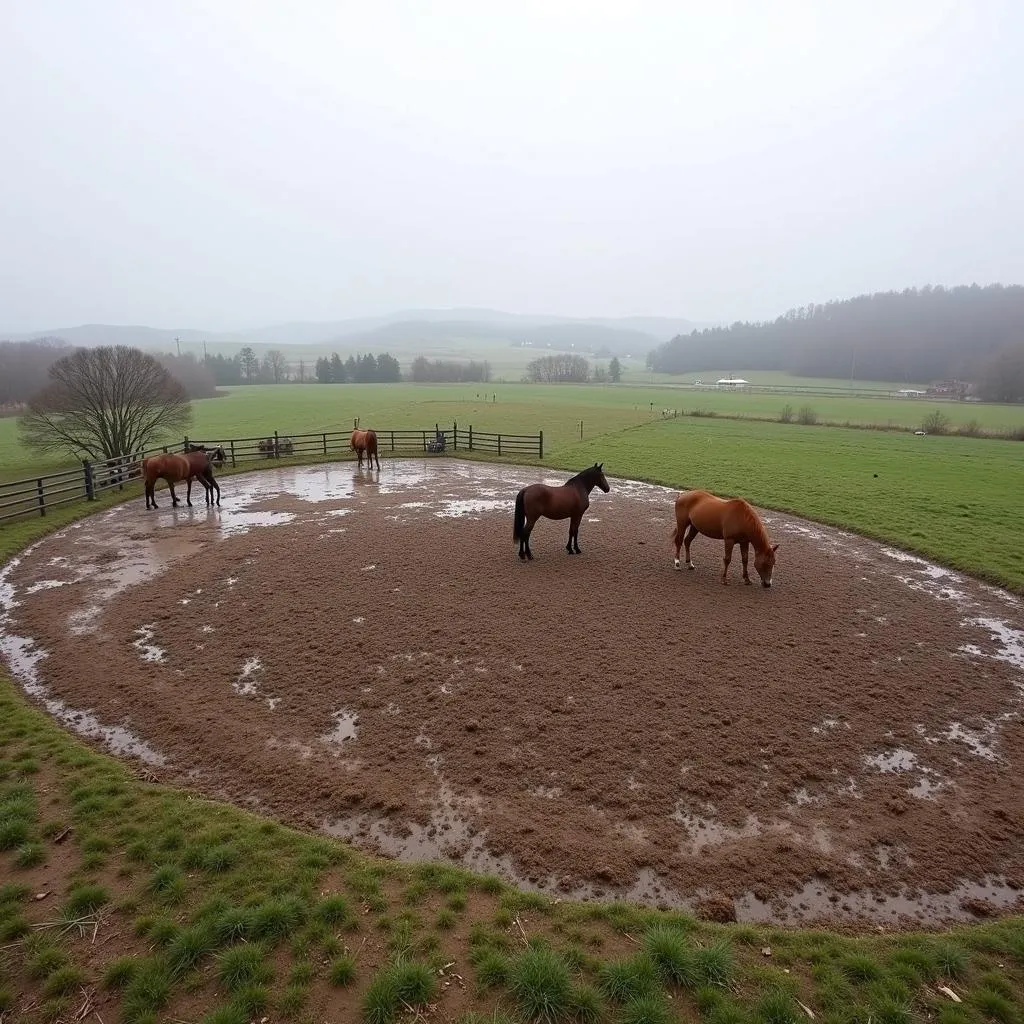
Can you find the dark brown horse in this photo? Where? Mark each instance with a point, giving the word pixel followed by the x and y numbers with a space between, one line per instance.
pixel 568 501
pixel 194 463
pixel 365 441
pixel 733 521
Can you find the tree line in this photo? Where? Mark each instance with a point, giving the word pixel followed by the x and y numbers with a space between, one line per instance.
pixel 449 371
pixel 360 369
pixel 968 333
pixel 567 369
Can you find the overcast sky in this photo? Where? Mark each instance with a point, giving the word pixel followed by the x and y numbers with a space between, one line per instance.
pixel 234 163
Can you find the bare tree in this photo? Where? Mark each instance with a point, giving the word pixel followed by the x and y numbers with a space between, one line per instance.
pixel 105 402
pixel 250 363
pixel 276 365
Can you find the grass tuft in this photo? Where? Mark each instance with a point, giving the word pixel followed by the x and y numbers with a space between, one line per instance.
pixel 540 982
pixel 626 980
pixel 652 1008
pixel 342 971
pixel 671 955
pixel 401 983
pixel 332 911
pixel 84 900
pixel 243 966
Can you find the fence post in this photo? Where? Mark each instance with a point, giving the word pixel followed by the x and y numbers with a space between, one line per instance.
pixel 455 435
pixel 277 452
pixel 541 445
pixel 325 444
pixel 39 493
pixel 392 440
pixel 90 492
pixel 185 446
pixel 424 440
pixel 499 444
pixel 233 463
pixel 471 437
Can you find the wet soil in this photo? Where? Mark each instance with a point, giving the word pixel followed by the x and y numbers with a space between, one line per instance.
pixel 362 653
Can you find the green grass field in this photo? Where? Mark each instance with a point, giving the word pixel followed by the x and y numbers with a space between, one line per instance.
pixel 519 408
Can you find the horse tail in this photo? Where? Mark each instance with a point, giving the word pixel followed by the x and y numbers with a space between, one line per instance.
pixel 519 524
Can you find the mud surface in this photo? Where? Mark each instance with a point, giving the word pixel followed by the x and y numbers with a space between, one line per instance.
pixel 363 653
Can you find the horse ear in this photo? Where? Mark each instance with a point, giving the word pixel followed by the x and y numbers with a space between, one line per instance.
pixel 775 547
pixel 601 466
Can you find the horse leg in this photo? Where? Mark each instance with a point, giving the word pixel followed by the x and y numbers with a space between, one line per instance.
pixel 150 495
pixel 744 549
pixel 174 497
pixel 691 534
pixel 678 540
pixel 728 558
pixel 188 492
pixel 376 457
pixel 530 523
pixel 574 535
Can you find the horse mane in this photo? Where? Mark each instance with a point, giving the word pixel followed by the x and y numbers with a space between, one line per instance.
pixel 582 476
pixel 759 535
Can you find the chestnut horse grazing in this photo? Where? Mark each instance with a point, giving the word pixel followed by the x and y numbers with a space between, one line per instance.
pixel 365 441
pixel 730 520
pixel 181 468
pixel 569 501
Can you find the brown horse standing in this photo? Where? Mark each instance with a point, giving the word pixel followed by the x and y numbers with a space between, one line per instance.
pixel 365 441
pixel 181 469
pixel 568 501
pixel 731 520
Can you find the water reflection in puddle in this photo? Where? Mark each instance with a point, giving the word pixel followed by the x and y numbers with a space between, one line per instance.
pixel 346 726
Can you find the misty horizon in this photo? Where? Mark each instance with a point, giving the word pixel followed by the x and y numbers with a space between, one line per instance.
pixel 228 167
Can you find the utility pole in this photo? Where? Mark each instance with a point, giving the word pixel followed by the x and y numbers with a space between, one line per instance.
pixel 205 357
pixel 177 341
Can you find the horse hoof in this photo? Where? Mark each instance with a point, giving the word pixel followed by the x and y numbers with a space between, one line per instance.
pixel 690 566
pixel 677 563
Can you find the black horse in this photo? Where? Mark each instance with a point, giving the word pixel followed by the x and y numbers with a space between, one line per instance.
pixel 568 501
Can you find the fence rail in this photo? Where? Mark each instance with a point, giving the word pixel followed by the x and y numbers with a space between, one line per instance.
pixel 37 494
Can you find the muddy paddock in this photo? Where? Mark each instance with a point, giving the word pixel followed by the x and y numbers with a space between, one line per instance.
pixel 362 653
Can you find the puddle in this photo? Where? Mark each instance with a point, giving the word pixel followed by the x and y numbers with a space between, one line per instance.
pixel 35 588
pixel 148 651
pixel 346 725
pixel 454 509
pixel 898 760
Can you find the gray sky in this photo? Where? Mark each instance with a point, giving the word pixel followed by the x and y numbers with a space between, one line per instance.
pixel 234 163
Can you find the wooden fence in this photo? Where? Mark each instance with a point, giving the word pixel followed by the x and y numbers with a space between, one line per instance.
pixel 35 495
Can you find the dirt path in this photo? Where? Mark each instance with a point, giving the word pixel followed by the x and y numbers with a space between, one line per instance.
pixel 364 654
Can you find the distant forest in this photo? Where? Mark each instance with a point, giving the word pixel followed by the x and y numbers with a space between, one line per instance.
pixel 970 333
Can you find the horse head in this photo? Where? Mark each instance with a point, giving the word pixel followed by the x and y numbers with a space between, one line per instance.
pixel 597 475
pixel 764 563
pixel 217 455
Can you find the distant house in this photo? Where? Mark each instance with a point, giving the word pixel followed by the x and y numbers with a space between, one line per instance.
pixel 949 389
pixel 910 393
pixel 731 382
